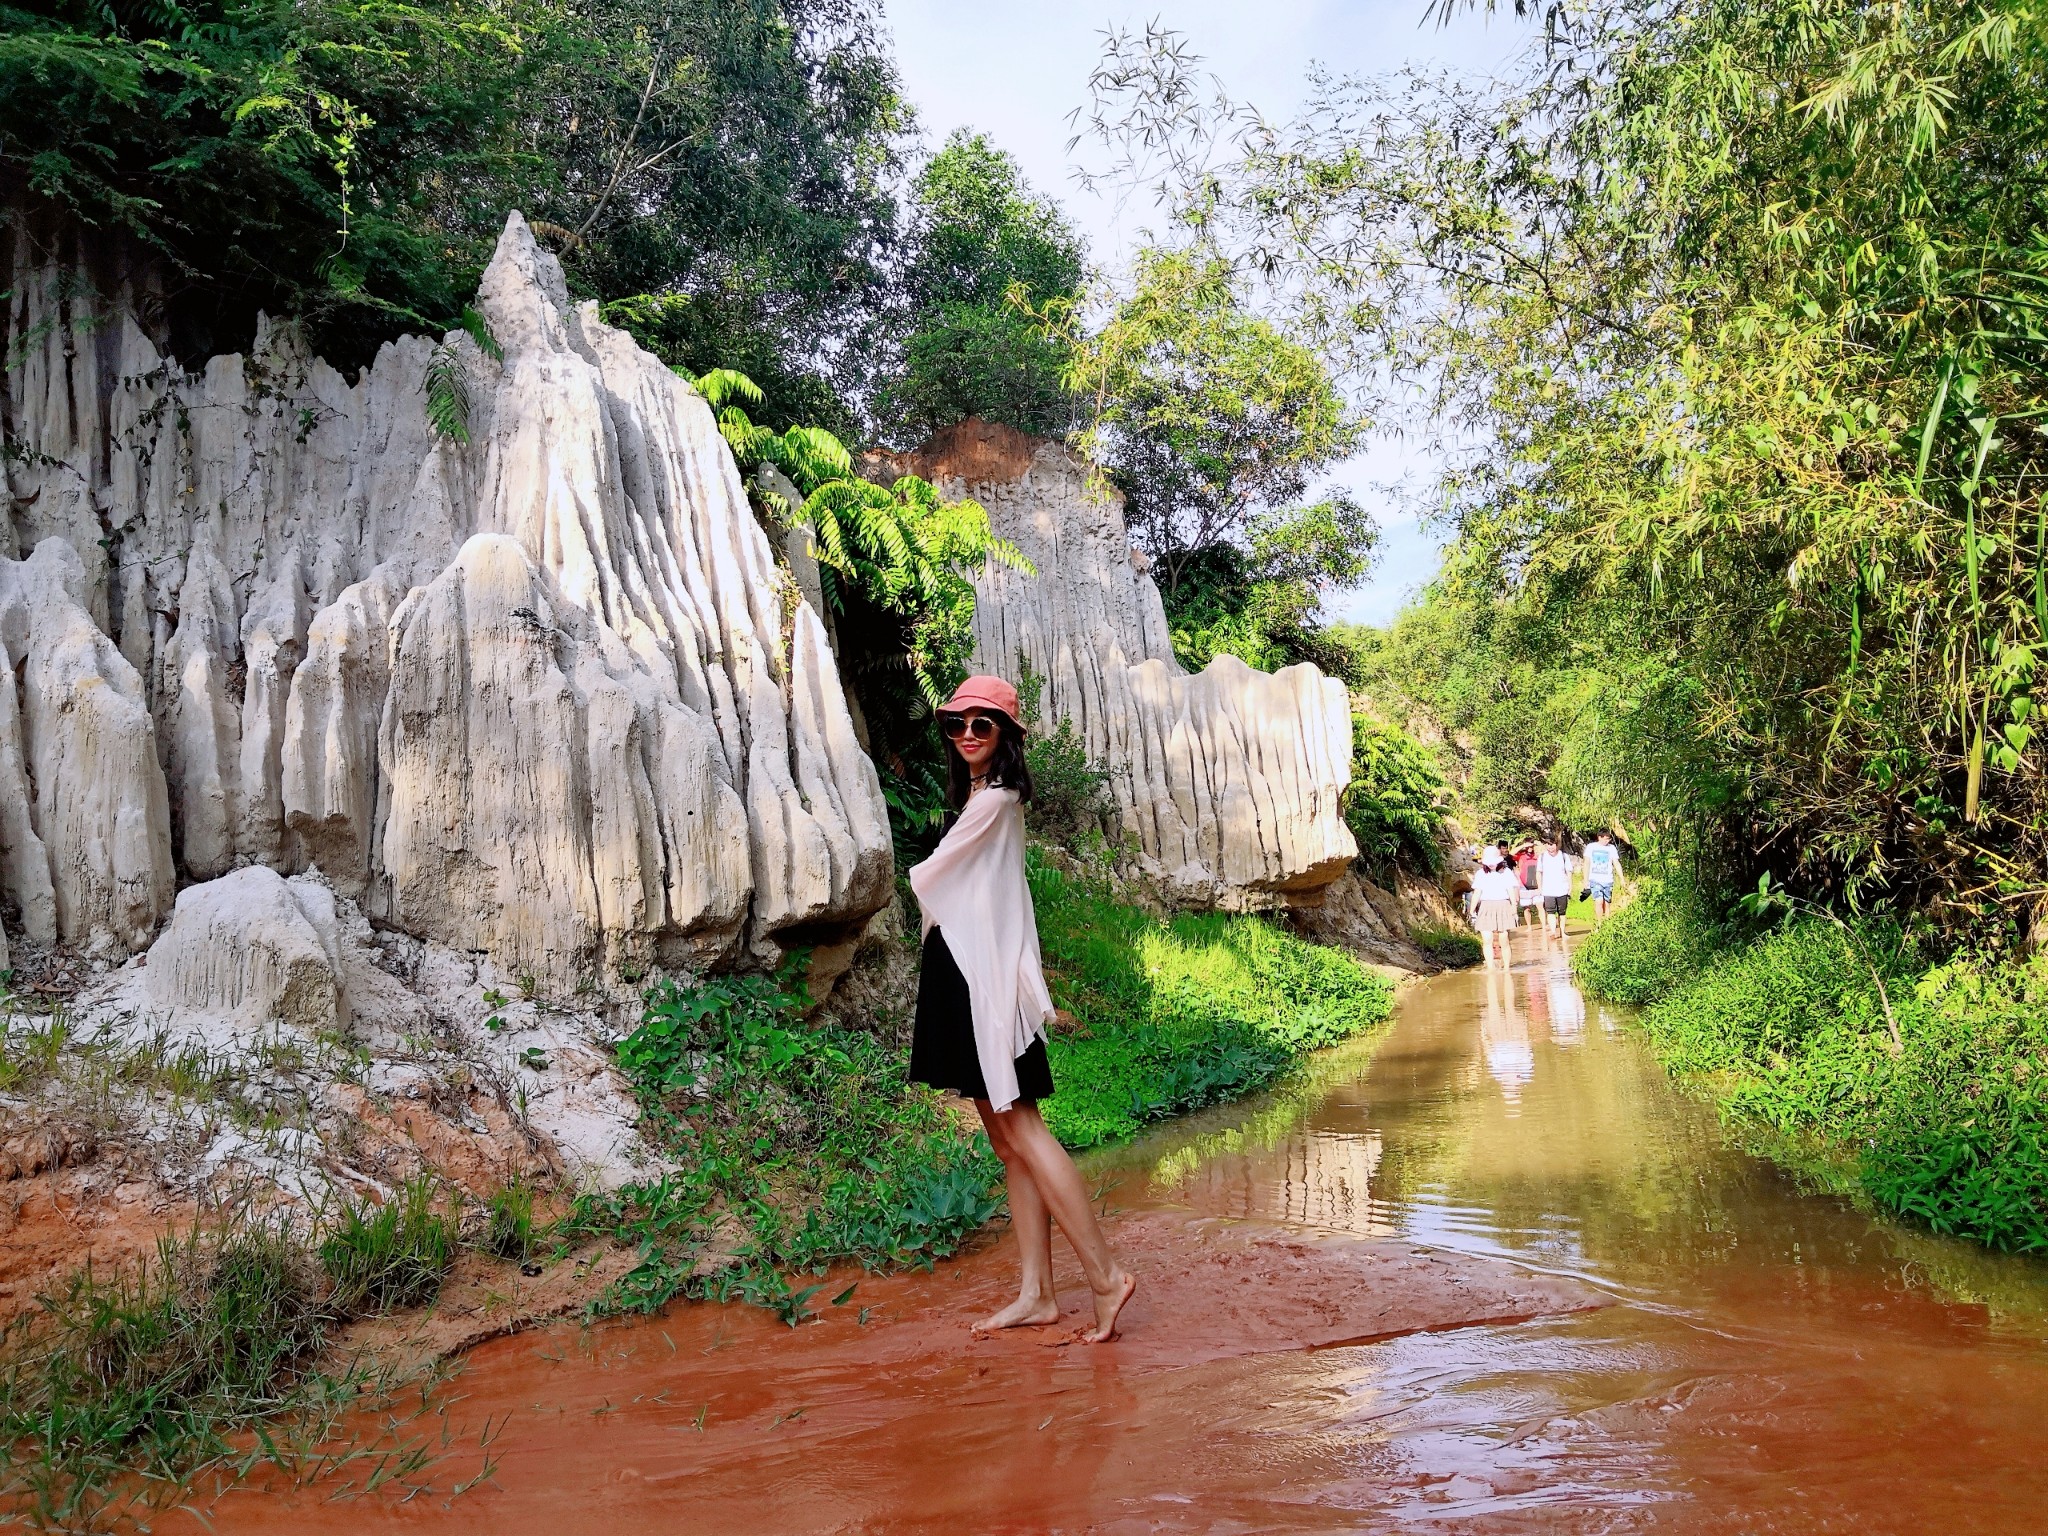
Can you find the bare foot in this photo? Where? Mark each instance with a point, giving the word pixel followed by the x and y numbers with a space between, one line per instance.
pixel 1024 1312
pixel 1108 1305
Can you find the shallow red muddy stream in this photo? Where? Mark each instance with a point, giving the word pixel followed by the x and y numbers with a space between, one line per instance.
pixel 1492 1273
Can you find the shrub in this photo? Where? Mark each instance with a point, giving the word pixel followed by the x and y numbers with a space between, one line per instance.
pixel 1656 943
pixel 382 1257
pixel 1397 800
pixel 1949 1127
pixel 814 1135
pixel 1069 790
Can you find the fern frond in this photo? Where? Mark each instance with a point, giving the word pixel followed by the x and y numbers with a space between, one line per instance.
pixel 447 389
pixel 480 332
pixel 718 385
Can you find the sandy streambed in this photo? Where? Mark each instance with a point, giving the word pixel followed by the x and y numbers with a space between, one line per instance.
pixel 884 1413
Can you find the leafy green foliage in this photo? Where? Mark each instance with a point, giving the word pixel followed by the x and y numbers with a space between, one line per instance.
pixel 447 389
pixel 1948 1127
pixel 351 161
pixel 1069 789
pixel 985 253
pixel 812 1139
pixel 394 1254
pixel 1179 1013
pixel 1260 600
pixel 1397 800
pixel 1652 946
pixel 1205 414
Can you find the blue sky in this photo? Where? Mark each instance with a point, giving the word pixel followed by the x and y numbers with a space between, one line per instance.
pixel 1016 71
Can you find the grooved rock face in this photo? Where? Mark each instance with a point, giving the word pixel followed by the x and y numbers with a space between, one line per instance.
pixel 1231 780
pixel 525 692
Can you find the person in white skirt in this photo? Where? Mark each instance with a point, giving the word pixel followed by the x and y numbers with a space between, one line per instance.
pixel 1497 895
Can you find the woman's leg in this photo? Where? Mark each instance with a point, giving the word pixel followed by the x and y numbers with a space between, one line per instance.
pixel 1037 1303
pixel 1059 1184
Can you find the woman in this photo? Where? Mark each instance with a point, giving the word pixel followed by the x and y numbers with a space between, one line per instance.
pixel 1496 892
pixel 1525 873
pixel 982 1003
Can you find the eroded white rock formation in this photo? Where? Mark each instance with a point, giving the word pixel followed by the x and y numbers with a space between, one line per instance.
pixel 532 698
pixel 536 694
pixel 1230 780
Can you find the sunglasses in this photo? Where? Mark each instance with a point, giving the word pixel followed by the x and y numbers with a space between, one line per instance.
pixel 980 727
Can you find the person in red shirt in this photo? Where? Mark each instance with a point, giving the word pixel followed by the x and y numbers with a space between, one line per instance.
pixel 1530 903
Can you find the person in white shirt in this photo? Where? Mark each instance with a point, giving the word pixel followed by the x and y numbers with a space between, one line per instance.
pixel 1603 868
pixel 982 1004
pixel 1496 895
pixel 1554 885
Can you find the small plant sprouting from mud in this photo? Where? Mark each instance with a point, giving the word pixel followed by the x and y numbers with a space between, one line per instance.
pixel 391 1255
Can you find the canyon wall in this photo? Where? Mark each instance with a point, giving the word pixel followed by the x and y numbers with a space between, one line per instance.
pixel 1229 783
pixel 530 690
pixel 543 693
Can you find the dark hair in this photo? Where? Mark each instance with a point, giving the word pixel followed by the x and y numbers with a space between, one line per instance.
pixel 1006 769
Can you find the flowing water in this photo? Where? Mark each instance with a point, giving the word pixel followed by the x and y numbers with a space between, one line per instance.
pixel 1767 1359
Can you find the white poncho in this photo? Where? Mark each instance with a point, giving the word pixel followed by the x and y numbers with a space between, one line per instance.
pixel 972 889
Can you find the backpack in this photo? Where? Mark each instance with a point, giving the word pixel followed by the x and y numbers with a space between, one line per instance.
pixel 1527 870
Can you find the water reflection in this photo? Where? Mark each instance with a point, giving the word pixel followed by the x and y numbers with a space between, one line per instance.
pixel 1776 1359
pixel 1497 1119
pixel 1504 1039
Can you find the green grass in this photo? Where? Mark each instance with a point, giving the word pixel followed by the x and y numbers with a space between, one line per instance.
pixel 120 1392
pixel 384 1257
pixel 1791 1034
pixel 812 1140
pixel 1647 949
pixel 1181 1012
pixel 1454 947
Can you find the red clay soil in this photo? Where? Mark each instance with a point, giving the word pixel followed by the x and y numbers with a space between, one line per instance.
pixel 56 1220
pixel 976 451
pixel 886 1414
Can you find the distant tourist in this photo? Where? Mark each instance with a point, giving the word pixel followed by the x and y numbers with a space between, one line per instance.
pixel 982 1004
pixel 1529 902
pixel 1554 885
pixel 1603 868
pixel 1496 895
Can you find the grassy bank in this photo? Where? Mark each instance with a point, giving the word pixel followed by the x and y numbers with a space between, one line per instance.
pixel 798 1147
pixel 793 1148
pixel 1923 1087
pixel 122 1392
pixel 1181 1012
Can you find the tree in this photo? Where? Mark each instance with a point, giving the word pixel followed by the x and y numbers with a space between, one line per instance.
pixel 350 162
pixel 1207 415
pixel 985 254
pixel 1742 306
pixel 1260 599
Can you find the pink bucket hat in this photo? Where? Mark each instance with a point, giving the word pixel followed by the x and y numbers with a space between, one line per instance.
pixel 984 692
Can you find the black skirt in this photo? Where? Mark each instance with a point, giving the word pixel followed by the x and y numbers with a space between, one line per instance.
pixel 942 1051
